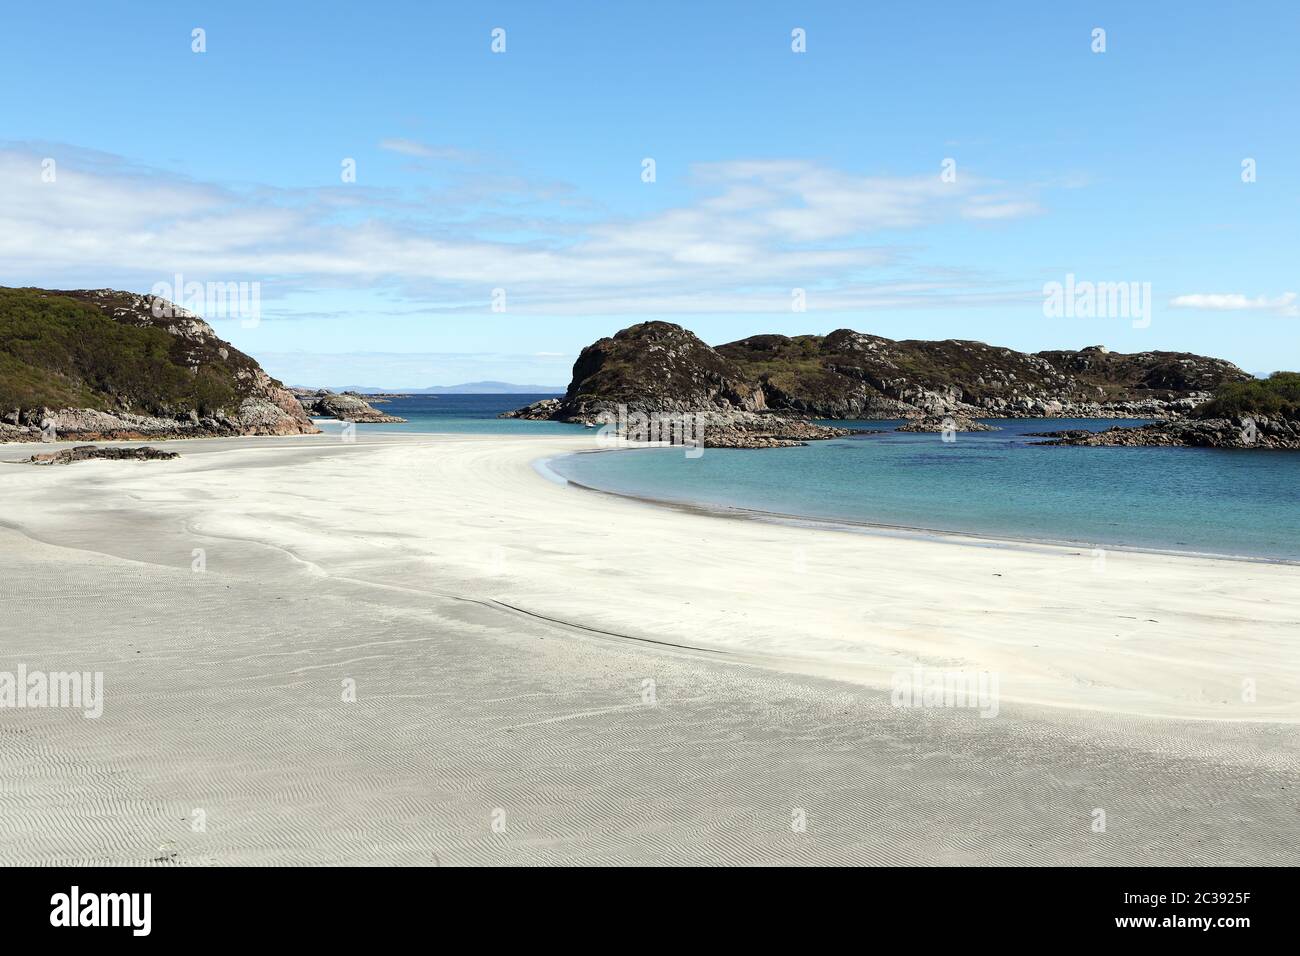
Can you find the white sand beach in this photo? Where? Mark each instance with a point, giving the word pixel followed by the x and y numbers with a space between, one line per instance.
pixel 547 674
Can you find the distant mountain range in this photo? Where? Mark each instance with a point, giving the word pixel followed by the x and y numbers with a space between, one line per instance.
pixel 466 388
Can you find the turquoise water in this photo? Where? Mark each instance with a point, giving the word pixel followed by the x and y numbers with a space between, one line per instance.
pixel 999 484
pixel 466 414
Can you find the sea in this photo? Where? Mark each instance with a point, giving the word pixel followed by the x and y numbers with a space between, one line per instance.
pixel 1002 484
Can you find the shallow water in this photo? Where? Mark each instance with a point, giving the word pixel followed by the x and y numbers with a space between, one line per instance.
pixel 1001 484
pixel 467 414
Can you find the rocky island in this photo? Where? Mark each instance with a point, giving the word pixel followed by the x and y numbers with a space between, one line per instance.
pixel 660 369
pixel 772 386
pixel 345 406
pixel 101 364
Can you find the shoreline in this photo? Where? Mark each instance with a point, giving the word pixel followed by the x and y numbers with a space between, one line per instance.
pixel 853 526
pixel 501 631
pixel 812 614
pixel 734 512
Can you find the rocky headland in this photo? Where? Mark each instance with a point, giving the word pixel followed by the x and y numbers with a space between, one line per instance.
pixel 657 372
pixel 1261 413
pixel 776 385
pixel 101 364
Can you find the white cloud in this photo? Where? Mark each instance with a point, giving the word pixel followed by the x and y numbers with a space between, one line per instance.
pixel 982 207
pixel 753 231
pixel 411 147
pixel 1286 304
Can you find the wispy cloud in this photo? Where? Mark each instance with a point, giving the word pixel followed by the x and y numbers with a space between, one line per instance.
pixel 1287 304
pixel 750 233
pixel 411 147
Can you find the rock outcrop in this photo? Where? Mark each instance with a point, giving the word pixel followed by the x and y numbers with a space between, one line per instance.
pixel 67 456
pixel 658 366
pixel 544 410
pixel 763 384
pixel 849 374
pixel 1260 413
pixel 662 370
pixel 723 429
pixel 101 364
pixel 943 423
pixel 345 406
pixel 1245 432
pixel 661 367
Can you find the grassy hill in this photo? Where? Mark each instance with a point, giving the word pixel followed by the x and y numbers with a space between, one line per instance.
pixel 65 350
pixel 106 351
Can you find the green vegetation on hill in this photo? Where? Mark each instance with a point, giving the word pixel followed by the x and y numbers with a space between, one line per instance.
pixel 656 361
pixel 1275 396
pixel 847 372
pixel 65 351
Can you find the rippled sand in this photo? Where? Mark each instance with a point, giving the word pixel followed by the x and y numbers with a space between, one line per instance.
pixel 546 675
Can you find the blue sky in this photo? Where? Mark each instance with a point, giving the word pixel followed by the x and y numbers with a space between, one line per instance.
pixel 774 170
